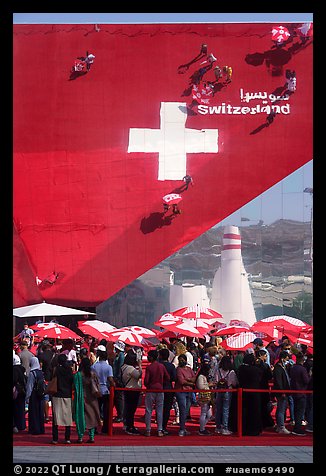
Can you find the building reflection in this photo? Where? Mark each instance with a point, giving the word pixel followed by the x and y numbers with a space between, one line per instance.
pixel 277 257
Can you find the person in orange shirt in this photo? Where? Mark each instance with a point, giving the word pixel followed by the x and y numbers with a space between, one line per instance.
pixel 227 70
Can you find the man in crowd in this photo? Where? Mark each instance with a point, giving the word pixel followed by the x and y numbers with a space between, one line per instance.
pixel 168 396
pixel 156 376
pixel 119 348
pixel 259 345
pixel 281 382
pixel 27 334
pixel 25 356
pixel 299 379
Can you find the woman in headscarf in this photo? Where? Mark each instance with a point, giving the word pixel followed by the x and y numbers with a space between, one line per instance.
pixel 85 406
pixel 35 403
pixel 62 399
pixel 19 383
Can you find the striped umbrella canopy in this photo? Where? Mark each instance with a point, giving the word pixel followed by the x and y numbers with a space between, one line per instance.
pixel 229 330
pixel 166 334
pixel 200 324
pixel 95 328
pixel 172 198
pixel 190 327
pixel 273 324
pixel 197 312
pixel 57 331
pixel 43 325
pixel 167 316
pixel 142 331
pixel 125 335
pixel 239 322
pixel 240 341
pixel 302 335
pixel 184 327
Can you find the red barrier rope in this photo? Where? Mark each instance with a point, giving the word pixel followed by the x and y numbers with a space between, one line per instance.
pixel 238 390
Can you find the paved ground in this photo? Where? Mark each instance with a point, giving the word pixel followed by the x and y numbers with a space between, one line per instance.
pixel 163 454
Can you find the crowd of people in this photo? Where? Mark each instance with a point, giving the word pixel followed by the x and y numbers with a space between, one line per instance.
pixel 179 374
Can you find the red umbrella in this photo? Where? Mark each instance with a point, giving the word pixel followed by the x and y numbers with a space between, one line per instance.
pixel 202 93
pixel 95 328
pixel 301 335
pixel 58 332
pixel 199 324
pixel 43 325
pixel 196 312
pixel 239 322
pixel 125 335
pixel 142 331
pixel 270 325
pixel 167 334
pixel 280 34
pixel 172 198
pixel 241 341
pixel 229 330
pixel 167 316
pixel 190 324
pixel 183 327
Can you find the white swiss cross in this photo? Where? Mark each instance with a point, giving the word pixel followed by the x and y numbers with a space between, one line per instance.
pixel 173 141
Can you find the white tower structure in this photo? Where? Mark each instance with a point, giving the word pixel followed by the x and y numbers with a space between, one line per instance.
pixel 231 294
pixel 188 295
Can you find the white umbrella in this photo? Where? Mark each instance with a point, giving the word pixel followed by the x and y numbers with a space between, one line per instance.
pixel 46 309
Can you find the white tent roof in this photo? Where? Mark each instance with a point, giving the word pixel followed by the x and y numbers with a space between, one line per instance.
pixel 46 309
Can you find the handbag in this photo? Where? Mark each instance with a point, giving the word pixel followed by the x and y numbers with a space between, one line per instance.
pixel 204 397
pixel 52 386
pixel 95 387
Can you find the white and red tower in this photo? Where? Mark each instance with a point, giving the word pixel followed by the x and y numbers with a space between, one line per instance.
pixel 231 294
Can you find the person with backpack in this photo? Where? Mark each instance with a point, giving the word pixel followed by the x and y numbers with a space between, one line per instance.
pixel 225 379
pixel 62 399
pixel 35 391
